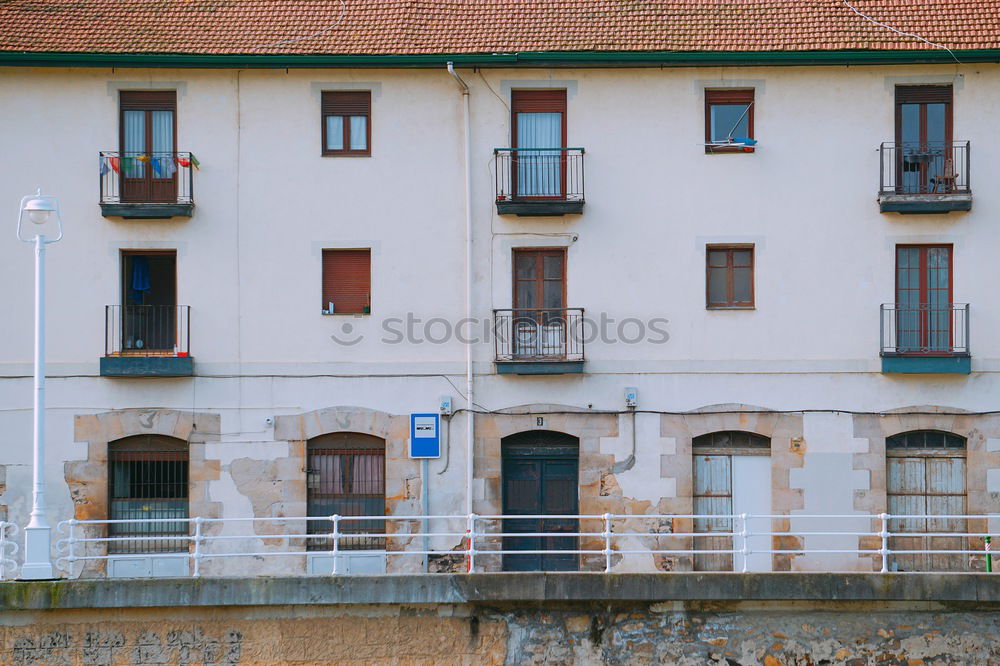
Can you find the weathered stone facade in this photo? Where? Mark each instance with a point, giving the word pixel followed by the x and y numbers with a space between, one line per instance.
pixel 88 479
pixel 982 435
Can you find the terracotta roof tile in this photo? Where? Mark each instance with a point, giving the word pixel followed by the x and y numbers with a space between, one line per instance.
pixel 374 27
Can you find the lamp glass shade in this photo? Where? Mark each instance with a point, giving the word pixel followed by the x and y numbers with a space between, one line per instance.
pixel 39 210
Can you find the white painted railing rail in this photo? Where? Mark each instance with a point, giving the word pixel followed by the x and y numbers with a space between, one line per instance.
pixel 8 550
pixel 467 539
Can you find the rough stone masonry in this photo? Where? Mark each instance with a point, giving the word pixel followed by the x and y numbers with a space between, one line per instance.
pixel 855 619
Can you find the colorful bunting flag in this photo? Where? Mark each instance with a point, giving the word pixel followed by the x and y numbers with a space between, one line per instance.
pixel 142 158
pixel 195 162
pixel 113 161
pixel 104 165
pixel 183 162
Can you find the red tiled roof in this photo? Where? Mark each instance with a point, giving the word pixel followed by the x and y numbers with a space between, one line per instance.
pixel 377 27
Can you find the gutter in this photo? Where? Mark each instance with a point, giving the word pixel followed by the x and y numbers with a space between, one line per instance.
pixel 522 59
pixel 469 383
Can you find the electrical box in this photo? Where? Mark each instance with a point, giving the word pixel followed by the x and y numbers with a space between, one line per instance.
pixel 444 405
pixel 631 396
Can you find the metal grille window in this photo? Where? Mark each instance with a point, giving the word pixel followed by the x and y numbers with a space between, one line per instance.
pixel 926 478
pixel 148 480
pixel 346 476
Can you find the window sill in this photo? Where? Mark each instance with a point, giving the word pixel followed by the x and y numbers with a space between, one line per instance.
pixel 346 314
pixel 709 150
pixel 346 154
pixel 730 307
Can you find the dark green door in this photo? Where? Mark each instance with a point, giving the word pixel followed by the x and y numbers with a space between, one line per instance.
pixel 540 477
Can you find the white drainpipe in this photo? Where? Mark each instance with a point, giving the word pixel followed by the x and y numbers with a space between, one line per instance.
pixel 471 423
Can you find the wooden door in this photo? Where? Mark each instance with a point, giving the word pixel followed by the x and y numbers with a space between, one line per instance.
pixel 538 133
pixel 540 476
pixel 923 136
pixel 924 299
pixel 148 146
pixel 539 322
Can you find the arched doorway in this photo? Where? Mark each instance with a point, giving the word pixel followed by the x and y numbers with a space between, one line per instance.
pixel 540 477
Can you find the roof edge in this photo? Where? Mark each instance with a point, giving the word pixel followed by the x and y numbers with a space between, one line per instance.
pixel 522 59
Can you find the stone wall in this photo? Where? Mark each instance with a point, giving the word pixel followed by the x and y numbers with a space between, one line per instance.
pixel 639 633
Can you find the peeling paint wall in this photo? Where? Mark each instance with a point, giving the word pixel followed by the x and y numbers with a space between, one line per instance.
pixel 585 634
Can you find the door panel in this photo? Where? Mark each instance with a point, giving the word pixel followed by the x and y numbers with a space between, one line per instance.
pixel 148 146
pixel 923 135
pixel 540 476
pixel 752 495
pixel 924 487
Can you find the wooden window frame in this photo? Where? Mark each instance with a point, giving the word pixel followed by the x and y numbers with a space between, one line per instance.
pixel 728 96
pixel 147 101
pixel 923 95
pixel 922 290
pixel 730 304
pixel 540 253
pixel 346 103
pixel 326 297
pixel 535 100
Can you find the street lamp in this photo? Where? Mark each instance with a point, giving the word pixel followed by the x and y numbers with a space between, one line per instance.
pixel 41 210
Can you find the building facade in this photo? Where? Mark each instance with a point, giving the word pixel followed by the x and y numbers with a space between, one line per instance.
pixel 674 288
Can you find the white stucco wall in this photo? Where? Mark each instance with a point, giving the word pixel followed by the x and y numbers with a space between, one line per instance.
pixel 267 203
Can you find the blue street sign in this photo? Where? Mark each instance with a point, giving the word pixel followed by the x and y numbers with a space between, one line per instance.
pixel 425 436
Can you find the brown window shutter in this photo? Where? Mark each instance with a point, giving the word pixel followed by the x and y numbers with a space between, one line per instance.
pixel 923 94
pixel 146 100
pixel 538 101
pixel 354 103
pixel 741 96
pixel 347 280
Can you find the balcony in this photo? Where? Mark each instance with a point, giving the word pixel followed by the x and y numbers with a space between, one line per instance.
pixel 147 341
pixel 539 182
pixel 538 341
pixel 932 177
pixel 925 339
pixel 146 185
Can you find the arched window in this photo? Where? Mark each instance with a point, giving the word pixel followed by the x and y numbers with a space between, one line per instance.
pixel 346 476
pixel 148 480
pixel 732 475
pixel 926 478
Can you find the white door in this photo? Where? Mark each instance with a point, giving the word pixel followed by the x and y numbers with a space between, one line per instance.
pixel 752 495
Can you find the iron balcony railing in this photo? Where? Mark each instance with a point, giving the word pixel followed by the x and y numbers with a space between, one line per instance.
pixel 539 174
pixel 147 330
pixel 539 334
pixel 925 329
pixel 932 167
pixel 607 543
pixel 154 177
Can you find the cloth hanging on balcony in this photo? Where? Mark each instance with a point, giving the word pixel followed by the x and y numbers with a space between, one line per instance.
pixel 140 278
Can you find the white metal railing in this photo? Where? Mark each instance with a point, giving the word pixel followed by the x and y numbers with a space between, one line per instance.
pixel 609 541
pixel 8 550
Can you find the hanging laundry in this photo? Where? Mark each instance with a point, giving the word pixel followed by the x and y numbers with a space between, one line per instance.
pixel 140 278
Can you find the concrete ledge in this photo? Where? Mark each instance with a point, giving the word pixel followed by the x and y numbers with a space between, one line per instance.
pixel 498 588
pixel 147 366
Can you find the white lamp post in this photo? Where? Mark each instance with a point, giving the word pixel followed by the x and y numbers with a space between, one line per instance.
pixel 41 210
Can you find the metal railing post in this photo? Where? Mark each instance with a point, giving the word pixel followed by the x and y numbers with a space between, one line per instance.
pixel 746 542
pixel 3 551
pixel 335 536
pixel 71 542
pixel 989 555
pixel 197 547
pixel 607 543
pixel 884 534
pixel 471 529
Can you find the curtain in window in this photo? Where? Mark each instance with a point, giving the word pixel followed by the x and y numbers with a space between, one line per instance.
pixel 162 160
pixel 539 172
pixel 359 132
pixel 134 144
